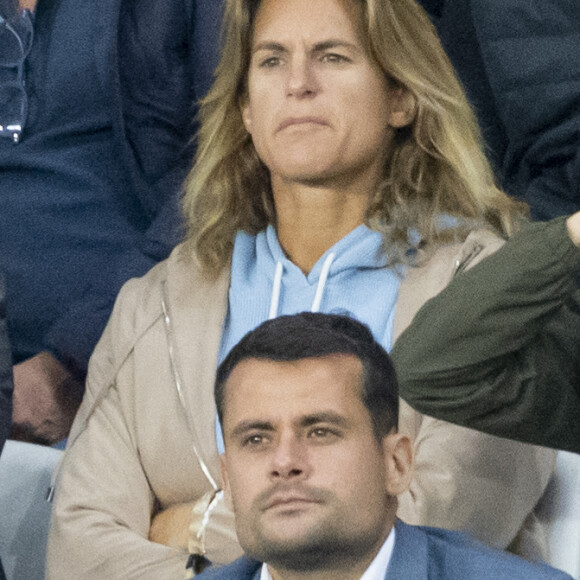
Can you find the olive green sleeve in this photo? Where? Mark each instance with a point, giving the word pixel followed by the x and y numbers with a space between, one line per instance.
pixel 498 349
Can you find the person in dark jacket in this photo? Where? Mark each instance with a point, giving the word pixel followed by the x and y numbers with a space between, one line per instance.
pixel 5 382
pixel 520 65
pixel 97 107
pixel 5 374
pixel 509 55
pixel 515 320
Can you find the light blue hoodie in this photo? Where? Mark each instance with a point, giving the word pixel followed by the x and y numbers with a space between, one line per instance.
pixel 351 278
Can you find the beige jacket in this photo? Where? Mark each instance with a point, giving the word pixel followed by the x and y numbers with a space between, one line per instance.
pixel 132 450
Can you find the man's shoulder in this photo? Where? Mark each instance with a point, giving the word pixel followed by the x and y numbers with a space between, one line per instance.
pixel 242 569
pixel 454 555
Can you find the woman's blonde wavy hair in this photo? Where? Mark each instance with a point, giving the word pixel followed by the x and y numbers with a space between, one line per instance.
pixel 436 166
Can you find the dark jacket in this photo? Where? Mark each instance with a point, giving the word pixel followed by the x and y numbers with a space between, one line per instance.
pixel 5 374
pixel 423 553
pixel 512 326
pixel 5 382
pixel 149 63
pixel 520 65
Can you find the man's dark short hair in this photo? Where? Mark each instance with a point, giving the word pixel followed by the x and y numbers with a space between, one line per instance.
pixel 311 335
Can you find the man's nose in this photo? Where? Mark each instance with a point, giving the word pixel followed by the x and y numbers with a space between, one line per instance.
pixel 289 459
pixel 302 79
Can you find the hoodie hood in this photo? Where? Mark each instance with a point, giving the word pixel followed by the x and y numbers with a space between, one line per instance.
pixel 350 278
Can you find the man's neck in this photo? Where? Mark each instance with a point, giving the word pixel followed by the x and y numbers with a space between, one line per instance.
pixel 352 573
pixel 374 565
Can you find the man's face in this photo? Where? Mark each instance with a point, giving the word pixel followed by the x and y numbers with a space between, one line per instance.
pixel 318 108
pixel 308 479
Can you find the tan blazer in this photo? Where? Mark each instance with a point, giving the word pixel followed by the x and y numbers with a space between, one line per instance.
pixel 137 446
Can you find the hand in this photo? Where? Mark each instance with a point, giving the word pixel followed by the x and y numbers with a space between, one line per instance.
pixel 170 527
pixel 46 398
pixel 573 225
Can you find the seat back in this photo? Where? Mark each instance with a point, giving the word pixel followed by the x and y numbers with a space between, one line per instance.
pixel 560 511
pixel 25 474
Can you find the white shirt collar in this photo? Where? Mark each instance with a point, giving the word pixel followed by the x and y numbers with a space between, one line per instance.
pixel 376 570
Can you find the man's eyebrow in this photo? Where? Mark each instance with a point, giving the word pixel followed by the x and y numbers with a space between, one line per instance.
pixel 250 425
pixel 324 417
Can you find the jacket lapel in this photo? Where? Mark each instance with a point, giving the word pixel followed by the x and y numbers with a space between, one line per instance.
pixel 410 554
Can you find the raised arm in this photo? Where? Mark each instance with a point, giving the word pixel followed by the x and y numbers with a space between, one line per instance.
pixel 510 361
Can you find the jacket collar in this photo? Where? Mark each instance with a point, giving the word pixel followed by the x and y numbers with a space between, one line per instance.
pixel 409 559
pixel 410 555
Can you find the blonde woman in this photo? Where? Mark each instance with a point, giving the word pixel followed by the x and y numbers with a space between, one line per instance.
pixel 339 169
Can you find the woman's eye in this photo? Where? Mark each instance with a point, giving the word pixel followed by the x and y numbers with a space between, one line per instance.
pixel 335 58
pixel 270 62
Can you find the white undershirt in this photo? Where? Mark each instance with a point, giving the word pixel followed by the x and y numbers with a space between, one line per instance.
pixel 377 568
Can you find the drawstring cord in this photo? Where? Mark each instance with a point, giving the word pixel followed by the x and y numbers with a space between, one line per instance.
pixel 276 287
pixel 275 299
pixel 322 282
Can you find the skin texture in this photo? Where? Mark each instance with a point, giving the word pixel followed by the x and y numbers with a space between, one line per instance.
pixel 321 115
pixel 312 488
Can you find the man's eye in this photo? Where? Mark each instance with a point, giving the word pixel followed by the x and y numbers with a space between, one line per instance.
pixel 253 440
pixel 321 433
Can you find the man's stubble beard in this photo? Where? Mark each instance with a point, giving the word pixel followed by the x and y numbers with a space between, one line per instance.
pixel 328 544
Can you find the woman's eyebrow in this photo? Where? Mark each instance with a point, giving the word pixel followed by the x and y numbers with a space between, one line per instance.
pixel 335 43
pixel 269 45
pixel 329 44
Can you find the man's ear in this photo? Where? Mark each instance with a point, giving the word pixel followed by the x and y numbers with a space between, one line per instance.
pixel 399 463
pixel 403 108
pixel 225 479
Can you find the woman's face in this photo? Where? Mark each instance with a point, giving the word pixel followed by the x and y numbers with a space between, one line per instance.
pixel 319 110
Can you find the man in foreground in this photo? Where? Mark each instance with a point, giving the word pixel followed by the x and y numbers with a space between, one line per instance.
pixel 314 462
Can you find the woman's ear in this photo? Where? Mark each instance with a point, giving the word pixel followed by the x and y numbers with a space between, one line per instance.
pixel 246 114
pixel 403 108
pixel 399 463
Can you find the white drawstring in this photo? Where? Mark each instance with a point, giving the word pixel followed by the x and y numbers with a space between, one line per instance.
pixel 276 291
pixel 322 282
pixel 275 298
